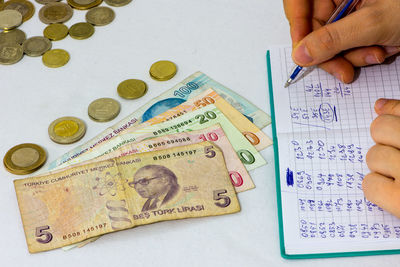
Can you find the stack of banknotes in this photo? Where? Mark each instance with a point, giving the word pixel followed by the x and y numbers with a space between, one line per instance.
pixel 184 154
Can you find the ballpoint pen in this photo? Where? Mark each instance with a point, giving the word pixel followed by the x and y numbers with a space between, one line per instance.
pixel 341 11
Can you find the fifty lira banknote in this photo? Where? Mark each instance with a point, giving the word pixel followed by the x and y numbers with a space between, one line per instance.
pixel 255 136
pixel 195 120
pixel 190 87
pixel 82 202
pixel 238 174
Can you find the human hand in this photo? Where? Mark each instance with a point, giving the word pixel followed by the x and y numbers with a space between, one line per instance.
pixel 382 185
pixel 365 37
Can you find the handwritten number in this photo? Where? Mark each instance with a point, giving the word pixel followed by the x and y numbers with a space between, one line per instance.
pixel 41 231
pixel 219 195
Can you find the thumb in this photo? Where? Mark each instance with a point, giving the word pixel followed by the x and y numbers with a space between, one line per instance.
pixel 356 30
pixel 387 106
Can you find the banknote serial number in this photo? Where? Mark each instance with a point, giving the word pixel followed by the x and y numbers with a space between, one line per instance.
pixel 169 142
pixel 172 128
pixel 85 231
pixel 175 154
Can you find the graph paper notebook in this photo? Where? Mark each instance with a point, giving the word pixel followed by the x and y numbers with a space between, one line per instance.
pixel 321 137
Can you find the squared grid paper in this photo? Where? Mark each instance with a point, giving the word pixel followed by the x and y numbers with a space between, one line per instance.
pixel 326 138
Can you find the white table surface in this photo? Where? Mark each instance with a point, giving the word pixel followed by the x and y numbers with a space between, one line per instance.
pixel 227 40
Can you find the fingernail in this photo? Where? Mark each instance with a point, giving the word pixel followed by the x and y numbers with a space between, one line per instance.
pixel 380 103
pixel 302 55
pixel 391 50
pixel 338 76
pixel 372 59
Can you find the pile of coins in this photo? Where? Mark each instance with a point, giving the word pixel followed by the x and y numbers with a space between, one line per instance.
pixel 27 158
pixel 13 42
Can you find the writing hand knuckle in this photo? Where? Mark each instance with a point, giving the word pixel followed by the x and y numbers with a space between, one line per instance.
pixel 329 38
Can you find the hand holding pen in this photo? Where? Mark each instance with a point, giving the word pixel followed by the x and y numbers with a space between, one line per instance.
pixel 365 37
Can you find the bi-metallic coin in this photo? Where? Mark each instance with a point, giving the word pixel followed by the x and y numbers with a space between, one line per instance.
pixel 26 8
pixel 24 159
pixel 55 13
pixel 84 4
pixel 67 130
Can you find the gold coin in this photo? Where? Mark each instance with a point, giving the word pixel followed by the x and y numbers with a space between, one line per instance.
pixel 81 30
pixel 10 53
pixel 67 130
pixel 10 19
pixel 44 2
pixel 36 46
pixel 55 58
pixel 26 8
pixel 132 89
pixel 55 32
pixel 117 3
pixel 104 109
pixel 84 4
pixel 24 159
pixel 15 36
pixel 55 13
pixel 163 70
pixel 100 16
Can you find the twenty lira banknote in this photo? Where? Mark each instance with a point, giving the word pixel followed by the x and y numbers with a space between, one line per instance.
pixel 190 87
pixel 195 120
pixel 82 202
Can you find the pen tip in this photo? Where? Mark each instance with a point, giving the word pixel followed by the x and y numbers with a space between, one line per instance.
pixel 287 85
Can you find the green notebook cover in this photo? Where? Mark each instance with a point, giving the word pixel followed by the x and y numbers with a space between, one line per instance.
pixel 279 197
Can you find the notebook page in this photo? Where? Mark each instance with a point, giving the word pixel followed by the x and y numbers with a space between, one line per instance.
pixel 323 137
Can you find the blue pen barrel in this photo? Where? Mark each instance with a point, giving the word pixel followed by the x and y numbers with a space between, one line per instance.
pixel 296 72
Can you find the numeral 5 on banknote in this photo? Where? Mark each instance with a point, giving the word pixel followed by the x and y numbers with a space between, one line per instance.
pixel 85 201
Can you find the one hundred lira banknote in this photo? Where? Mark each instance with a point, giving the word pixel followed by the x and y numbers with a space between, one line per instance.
pixel 238 174
pixel 195 120
pixel 188 88
pixel 82 202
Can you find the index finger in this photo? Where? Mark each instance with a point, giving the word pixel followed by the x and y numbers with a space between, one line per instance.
pixel 299 15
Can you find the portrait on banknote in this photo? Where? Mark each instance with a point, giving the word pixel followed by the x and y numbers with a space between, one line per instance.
pixel 157 184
